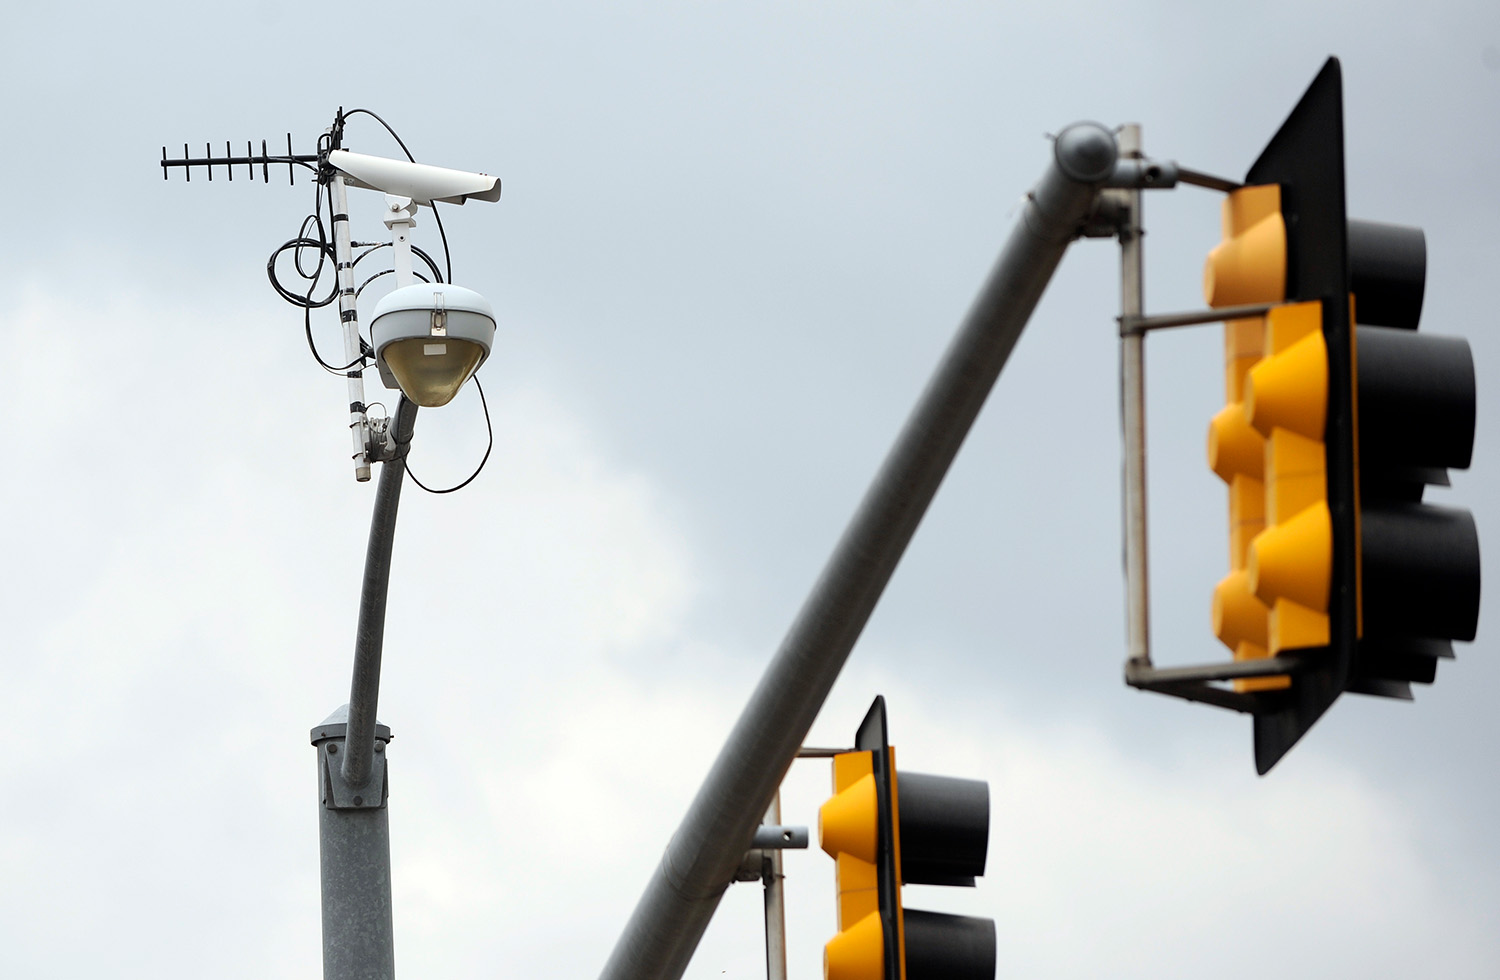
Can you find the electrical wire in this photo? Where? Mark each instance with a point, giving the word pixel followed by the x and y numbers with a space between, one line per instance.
pixel 386 272
pixel 437 276
pixel 489 430
pixel 388 129
pixel 366 353
pixel 296 247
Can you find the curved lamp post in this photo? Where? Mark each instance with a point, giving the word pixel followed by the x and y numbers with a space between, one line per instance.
pixel 354 843
pixel 429 338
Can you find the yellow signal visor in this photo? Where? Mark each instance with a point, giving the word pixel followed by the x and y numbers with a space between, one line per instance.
pixel 849 822
pixel 857 953
pixel 1239 617
pixel 1289 390
pixel 1234 448
pixel 1242 623
pixel 1293 560
pixel 1249 266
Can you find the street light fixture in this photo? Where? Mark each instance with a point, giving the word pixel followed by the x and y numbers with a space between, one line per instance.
pixel 429 338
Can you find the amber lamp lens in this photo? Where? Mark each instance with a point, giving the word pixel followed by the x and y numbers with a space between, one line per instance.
pixel 430 370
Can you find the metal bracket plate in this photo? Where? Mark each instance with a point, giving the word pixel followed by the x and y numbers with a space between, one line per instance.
pixel 337 793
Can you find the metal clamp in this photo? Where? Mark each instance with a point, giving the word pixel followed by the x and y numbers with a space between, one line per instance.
pixel 756 864
pixel 338 793
pixel 1139 173
pixel 772 837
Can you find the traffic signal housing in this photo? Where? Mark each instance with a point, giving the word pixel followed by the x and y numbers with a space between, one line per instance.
pixel 1330 434
pixel 886 829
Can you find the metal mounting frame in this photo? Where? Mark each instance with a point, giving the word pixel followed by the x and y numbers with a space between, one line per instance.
pixel 1195 682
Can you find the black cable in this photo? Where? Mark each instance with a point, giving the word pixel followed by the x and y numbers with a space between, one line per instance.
pixel 447 255
pixel 437 275
pixel 385 272
pixel 388 129
pixel 302 299
pixel 326 257
pixel 315 220
pixel 324 249
pixel 487 427
pixel 364 352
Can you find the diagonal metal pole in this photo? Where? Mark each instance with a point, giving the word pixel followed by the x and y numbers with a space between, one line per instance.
pixel 700 861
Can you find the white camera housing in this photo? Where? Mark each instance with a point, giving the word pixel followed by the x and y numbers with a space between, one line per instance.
pixel 422 183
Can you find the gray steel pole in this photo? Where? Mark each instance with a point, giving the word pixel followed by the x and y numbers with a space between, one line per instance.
pixel 700 861
pixel 354 863
pixel 354 843
pixel 1133 414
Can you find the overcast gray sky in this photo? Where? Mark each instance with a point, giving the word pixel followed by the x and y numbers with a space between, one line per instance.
pixel 733 241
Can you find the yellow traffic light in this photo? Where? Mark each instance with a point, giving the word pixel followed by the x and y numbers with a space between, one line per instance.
pixel 1329 435
pixel 849 831
pixel 861 827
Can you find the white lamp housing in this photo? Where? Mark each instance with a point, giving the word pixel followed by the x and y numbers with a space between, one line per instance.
pixel 430 338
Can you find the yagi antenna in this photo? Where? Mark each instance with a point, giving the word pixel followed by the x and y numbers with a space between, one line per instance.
pixel 228 161
pixel 422 183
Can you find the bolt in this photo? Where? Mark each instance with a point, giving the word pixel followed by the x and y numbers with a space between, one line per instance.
pixel 359 801
pixel 333 748
pixel 379 746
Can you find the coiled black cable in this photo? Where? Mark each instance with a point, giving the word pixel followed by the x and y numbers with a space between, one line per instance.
pixel 489 430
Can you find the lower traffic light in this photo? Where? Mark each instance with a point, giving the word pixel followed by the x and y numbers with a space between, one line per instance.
pixel 886 829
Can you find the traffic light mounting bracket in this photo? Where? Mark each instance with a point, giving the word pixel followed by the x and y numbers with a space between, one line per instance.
pixel 1120 211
